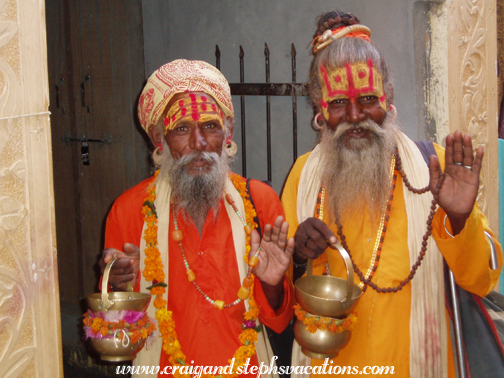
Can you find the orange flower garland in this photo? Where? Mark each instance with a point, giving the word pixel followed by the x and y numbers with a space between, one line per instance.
pixel 154 272
pixel 314 322
pixel 135 331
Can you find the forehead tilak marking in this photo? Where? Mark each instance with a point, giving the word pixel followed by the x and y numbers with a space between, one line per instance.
pixel 351 92
pixel 194 106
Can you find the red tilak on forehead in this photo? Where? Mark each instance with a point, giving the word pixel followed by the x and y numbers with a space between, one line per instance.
pixel 194 107
pixel 351 92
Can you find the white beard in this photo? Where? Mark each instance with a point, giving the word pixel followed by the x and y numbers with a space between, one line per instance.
pixel 194 194
pixel 356 172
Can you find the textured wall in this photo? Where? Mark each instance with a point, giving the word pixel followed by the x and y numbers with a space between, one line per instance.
pixel 30 342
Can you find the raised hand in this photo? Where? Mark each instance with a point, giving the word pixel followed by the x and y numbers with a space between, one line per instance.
pixel 274 259
pixel 311 239
pixel 460 187
pixel 125 269
pixel 275 253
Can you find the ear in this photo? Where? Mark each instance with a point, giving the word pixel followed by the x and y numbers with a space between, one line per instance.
pixel 389 92
pixel 229 130
pixel 155 135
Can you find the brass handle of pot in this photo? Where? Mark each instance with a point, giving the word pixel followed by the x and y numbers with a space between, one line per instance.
pixel 349 269
pixel 106 304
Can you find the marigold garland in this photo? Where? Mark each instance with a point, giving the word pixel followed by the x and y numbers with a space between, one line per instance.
pixel 315 322
pixel 101 328
pixel 154 272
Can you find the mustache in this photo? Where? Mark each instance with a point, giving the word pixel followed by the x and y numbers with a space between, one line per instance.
pixel 366 125
pixel 209 157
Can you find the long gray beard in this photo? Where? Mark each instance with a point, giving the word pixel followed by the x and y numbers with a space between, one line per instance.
pixel 194 194
pixel 356 172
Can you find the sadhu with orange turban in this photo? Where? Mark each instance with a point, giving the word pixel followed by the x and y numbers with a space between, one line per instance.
pixel 186 235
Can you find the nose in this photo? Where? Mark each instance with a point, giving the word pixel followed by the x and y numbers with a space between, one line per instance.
pixel 199 140
pixel 354 113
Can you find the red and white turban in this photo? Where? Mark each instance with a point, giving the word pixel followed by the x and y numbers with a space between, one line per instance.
pixel 182 76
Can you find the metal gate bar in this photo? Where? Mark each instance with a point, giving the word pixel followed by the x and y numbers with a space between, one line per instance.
pixel 294 103
pixel 268 112
pixel 267 89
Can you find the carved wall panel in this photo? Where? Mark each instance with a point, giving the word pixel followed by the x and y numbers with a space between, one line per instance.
pixel 30 335
pixel 500 47
pixel 472 88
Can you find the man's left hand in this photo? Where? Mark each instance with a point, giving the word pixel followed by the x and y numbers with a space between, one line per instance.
pixel 460 187
pixel 274 259
pixel 275 253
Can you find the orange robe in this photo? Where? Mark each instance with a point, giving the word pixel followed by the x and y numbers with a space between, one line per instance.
pixel 208 336
pixel 382 334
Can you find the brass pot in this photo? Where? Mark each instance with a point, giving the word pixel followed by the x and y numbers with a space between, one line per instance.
pixel 116 351
pixel 327 295
pixel 121 300
pixel 118 300
pixel 108 348
pixel 321 344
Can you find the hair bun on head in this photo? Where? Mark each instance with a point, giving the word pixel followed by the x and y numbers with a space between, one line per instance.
pixel 333 20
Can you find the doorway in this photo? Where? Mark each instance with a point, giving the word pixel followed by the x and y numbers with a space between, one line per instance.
pixel 96 73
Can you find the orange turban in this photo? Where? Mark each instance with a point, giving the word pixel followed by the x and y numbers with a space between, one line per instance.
pixel 182 76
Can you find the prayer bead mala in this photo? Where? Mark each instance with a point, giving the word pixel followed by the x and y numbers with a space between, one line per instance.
pixel 405 179
pixel 375 257
pixel 244 291
pixel 416 265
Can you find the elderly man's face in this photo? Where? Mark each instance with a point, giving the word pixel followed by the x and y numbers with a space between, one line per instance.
pixel 194 123
pixel 352 94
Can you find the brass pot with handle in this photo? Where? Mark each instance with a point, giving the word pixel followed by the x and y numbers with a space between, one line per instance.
pixel 116 347
pixel 329 297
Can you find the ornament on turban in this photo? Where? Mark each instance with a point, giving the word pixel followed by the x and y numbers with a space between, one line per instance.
pixel 350 31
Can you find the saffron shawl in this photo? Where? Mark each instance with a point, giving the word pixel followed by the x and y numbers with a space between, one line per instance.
pixel 151 357
pixel 428 331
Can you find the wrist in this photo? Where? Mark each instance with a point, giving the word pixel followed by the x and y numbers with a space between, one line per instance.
pixel 299 261
pixel 457 222
pixel 274 294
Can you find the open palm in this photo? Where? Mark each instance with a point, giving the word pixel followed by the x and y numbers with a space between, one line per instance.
pixel 461 178
pixel 275 252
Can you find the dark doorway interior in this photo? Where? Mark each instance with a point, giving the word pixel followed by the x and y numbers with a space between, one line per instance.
pixel 96 72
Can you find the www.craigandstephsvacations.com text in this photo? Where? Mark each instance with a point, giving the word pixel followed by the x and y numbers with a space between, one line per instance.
pixel 195 371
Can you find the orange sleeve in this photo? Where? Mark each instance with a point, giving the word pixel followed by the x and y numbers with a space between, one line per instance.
pixel 266 203
pixel 268 207
pixel 468 253
pixel 125 220
pixel 279 319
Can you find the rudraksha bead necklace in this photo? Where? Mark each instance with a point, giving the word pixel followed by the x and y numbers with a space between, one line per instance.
pixel 375 257
pixel 416 265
